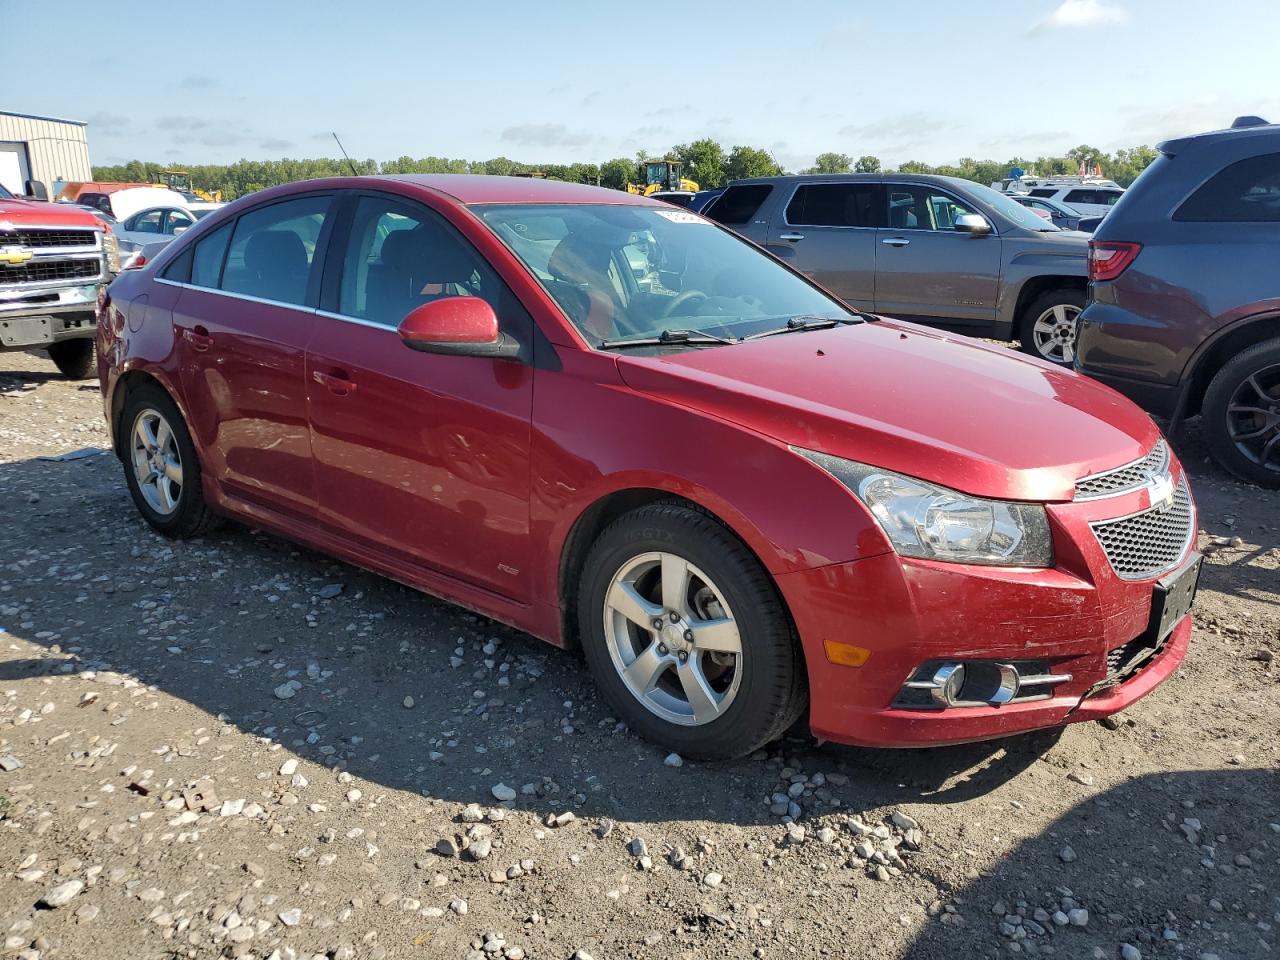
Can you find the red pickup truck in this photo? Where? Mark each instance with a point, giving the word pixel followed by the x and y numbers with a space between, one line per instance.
pixel 53 259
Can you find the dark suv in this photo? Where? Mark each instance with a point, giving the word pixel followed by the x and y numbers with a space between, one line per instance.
pixel 1184 312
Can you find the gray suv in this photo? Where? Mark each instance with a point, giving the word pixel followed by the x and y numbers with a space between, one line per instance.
pixel 1185 311
pixel 936 250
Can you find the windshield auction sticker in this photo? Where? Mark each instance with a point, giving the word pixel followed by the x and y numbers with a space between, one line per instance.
pixel 680 216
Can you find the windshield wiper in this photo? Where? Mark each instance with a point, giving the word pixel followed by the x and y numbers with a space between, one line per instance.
pixel 664 338
pixel 808 322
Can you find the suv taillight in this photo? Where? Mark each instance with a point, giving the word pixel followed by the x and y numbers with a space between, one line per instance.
pixel 1110 258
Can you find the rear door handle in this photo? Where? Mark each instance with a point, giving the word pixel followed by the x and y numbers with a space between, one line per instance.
pixel 793 237
pixel 895 241
pixel 198 337
pixel 338 383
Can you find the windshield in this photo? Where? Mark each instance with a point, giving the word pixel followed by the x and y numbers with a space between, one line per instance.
pixel 1009 208
pixel 622 271
pixel 5 194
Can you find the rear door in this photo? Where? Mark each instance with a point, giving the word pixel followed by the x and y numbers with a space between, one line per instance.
pixel 926 270
pixel 828 232
pixel 243 322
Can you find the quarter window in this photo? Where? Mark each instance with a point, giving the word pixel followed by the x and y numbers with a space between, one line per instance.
pixel 1247 191
pixel 400 257
pixel 738 204
pixel 273 248
pixel 834 205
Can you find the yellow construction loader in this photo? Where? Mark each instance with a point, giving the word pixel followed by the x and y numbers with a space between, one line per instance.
pixel 180 180
pixel 661 176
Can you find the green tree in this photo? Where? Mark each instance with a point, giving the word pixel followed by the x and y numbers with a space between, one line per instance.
pixel 704 162
pixel 831 163
pixel 617 173
pixel 867 164
pixel 746 162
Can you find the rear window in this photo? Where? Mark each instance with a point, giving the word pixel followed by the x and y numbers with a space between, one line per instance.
pixel 1248 191
pixel 738 204
pixel 834 205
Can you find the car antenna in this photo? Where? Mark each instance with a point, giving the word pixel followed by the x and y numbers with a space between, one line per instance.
pixel 344 154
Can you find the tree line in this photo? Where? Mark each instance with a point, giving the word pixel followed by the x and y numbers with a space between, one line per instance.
pixel 706 162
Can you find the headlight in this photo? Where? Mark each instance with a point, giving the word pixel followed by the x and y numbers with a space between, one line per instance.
pixel 112 250
pixel 934 523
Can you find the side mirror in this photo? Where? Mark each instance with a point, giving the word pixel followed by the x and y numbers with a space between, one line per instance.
pixel 36 190
pixel 974 224
pixel 461 326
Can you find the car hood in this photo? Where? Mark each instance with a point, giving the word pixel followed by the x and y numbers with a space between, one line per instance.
pixel 43 213
pixel 954 411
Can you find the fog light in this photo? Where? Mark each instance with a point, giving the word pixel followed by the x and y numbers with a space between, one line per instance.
pixel 977 683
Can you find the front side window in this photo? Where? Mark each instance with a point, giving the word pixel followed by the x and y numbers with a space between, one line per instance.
pixel 401 256
pixel 738 204
pixel 834 205
pixel 1247 191
pixel 920 208
pixel 622 271
pixel 273 248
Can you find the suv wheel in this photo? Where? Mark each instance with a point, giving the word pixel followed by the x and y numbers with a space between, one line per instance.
pixel 686 636
pixel 161 466
pixel 1241 415
pixel 1048 326
pixel 75 359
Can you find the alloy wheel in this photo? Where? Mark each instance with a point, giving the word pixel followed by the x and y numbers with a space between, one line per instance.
pixel 673 639
pixel 1253 417
pixel 157 461
pixel 1054 332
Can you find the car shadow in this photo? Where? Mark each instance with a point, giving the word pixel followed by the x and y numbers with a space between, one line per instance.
pixel 226 622
pixel 1135 869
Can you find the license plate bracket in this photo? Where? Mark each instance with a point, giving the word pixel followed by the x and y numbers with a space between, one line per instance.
pixel 1172 598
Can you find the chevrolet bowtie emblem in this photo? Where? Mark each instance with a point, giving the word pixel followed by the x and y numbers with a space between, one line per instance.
pixel 14 256
pixel 1160 486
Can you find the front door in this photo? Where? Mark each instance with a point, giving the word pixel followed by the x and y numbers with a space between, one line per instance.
pixel 928 271
pixel 422 458
pixel 242 323
pixel 829 234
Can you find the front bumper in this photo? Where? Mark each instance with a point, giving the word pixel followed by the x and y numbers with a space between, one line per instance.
pixel 907 612
pixel 37 318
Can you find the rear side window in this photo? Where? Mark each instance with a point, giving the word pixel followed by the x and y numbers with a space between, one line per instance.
pixel 1105 198
pixel 206 267
pixel 834 205
pixel 739 204
pixel 1248 191
pixel 272 250
pixel 1044 191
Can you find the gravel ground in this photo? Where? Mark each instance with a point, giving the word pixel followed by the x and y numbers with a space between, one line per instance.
pixel 234 747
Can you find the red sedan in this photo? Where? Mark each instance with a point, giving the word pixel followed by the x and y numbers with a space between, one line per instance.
pixel 615 425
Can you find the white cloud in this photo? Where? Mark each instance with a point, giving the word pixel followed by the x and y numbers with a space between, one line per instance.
pixel 1081 13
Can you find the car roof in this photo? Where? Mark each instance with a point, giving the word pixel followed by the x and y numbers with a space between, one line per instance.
pixel 1259 130
pixel 476 188
pixel 935 178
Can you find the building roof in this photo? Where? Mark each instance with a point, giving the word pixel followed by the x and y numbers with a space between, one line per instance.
pixel 33 116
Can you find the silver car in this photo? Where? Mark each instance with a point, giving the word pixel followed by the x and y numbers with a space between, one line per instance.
pixel 935 250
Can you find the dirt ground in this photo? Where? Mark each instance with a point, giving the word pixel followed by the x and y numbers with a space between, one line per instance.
pixel 167 792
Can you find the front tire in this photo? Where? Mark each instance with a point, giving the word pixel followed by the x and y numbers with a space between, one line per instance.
pixel 1049 325
pixel 686 635
pixel 75 359
pixel 161 466
pixel 1241 415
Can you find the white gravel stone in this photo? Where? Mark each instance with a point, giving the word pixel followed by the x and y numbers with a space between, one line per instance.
pixel 291 917
pixel 62 894
pixel 674 760
pixel 502 792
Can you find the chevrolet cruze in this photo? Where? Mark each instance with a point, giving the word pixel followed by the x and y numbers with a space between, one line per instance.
pixel 615 425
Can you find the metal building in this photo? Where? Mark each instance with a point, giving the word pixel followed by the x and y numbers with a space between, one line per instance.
pixel 43 149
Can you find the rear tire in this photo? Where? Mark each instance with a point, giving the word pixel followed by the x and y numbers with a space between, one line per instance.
pixel 1048 326
pixel 722 678
pixel 75 359
pixel 161 466
pixel 1241 415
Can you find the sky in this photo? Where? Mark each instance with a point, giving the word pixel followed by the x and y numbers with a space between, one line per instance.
pixel 559 81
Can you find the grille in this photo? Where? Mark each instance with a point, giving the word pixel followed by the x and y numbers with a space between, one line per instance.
pixel 41 271
pixel 1150 543
pixel 1124 662
pixel 1131 476
pixel 49 238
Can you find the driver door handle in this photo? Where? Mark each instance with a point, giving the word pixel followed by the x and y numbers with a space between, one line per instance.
pixel 198 337
pixel 337 382
pixel 793 237
pixel 895 241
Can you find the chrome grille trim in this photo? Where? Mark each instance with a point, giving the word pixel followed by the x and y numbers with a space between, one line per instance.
pixel 1149 543
pixel 1124 479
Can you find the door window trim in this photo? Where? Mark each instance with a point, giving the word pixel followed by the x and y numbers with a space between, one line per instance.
pixel 876 185
pixel 237 296
pixel 995 230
